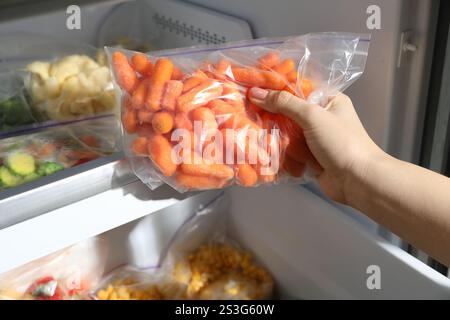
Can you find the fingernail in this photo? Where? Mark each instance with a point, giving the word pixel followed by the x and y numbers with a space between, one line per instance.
pixel 259 93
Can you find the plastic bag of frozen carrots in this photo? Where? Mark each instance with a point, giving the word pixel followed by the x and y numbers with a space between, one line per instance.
pixel 187 120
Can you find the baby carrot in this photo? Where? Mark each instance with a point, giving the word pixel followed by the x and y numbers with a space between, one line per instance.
pixel 265 173
pixel 199 183
pixel 269 60
pixel 199 96
pixel 172 91
pixel 306 86
pixel 162 122
pixel 273 80
pixel 246 175
pixel 292 76
pixel 160 152
pixel 126 77
pixel 142 64
pixel 220 171
pixel 139 94
pixel 162 72
pixel 191 82
pixel 177 74
pixel 206 116
pixel 145 116
pixel 285 66
pixel 182 121
pixel 251 77
pixel 240 121
pixel 223 68
pixel 222 110
pixel 145 130
pixel 298 150
pixel 294 168
pixel 129 121
pixel 140 146
pixel 233 96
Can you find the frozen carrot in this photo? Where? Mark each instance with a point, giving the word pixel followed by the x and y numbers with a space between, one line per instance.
pixel 220 171
pixel 292 76
pixel 265 173
pixel 285 66
pixel 162 72
pixel 223 68
pixel 199 183
pixel 140 146
pixel 306 86
pixel 221 109
pixel 182 121
pixel 269 60
pixel 145 130
pixel 49 148
pixel 160 152
pixel 246 175
pixel 206 116
pixel 162 122
pixel 249 76
pixel 177 74
pixel 294 168
pixel 139 94
pixel 144 116
pixel 233 96
pixel 129 121
pixel 172 91
pixel 126 76
pixel 273 80
pixel 142 64
pixel 298 150
pixel 240 121
pixel 191 82
pixel 90 141
pixel 199 96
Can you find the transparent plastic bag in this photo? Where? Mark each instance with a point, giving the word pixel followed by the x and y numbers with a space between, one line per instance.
pixel 65 80
pixel 187 120
pixel 15 110
pixel 68 274
pixel 57 146
pixel 201 262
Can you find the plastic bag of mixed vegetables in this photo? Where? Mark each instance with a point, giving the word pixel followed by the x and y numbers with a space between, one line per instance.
pixel 30 156
pixel 68 274
pixel 201 262
pixel 15 110
pixel 188 122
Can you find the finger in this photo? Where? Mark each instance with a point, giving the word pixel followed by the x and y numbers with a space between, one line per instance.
pixel 285 103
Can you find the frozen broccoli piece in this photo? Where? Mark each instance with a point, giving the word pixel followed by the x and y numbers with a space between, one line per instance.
pixel 31 177
pixel 21 163
pixel 48 168
pixel 9 179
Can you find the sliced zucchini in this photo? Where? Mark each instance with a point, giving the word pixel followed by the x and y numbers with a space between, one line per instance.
pixel 21 163
pixel 8 178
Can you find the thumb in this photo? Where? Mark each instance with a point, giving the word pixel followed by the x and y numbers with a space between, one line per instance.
pixel 283 102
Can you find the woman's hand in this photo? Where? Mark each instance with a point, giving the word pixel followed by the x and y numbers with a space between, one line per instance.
pixel 334 135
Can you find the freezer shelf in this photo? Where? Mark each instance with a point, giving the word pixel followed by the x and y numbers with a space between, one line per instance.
pixel 312 249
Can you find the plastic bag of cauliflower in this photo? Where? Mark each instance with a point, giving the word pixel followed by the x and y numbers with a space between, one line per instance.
pixel 71 87
pixel 201 262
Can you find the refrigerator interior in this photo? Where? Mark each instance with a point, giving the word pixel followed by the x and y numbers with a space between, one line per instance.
pixel 314 249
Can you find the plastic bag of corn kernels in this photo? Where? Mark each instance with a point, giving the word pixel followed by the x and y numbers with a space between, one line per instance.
pixel 201 262
pixel 187 120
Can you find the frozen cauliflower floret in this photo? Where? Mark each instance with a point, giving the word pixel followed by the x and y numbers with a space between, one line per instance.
pixel 40 68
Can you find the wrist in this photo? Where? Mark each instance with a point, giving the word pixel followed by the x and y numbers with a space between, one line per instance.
pixel 361 175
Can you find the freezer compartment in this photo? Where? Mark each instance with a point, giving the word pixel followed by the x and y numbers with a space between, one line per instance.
pixel 313 250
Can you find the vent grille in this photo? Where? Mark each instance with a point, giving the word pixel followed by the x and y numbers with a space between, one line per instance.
pixel 187 31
